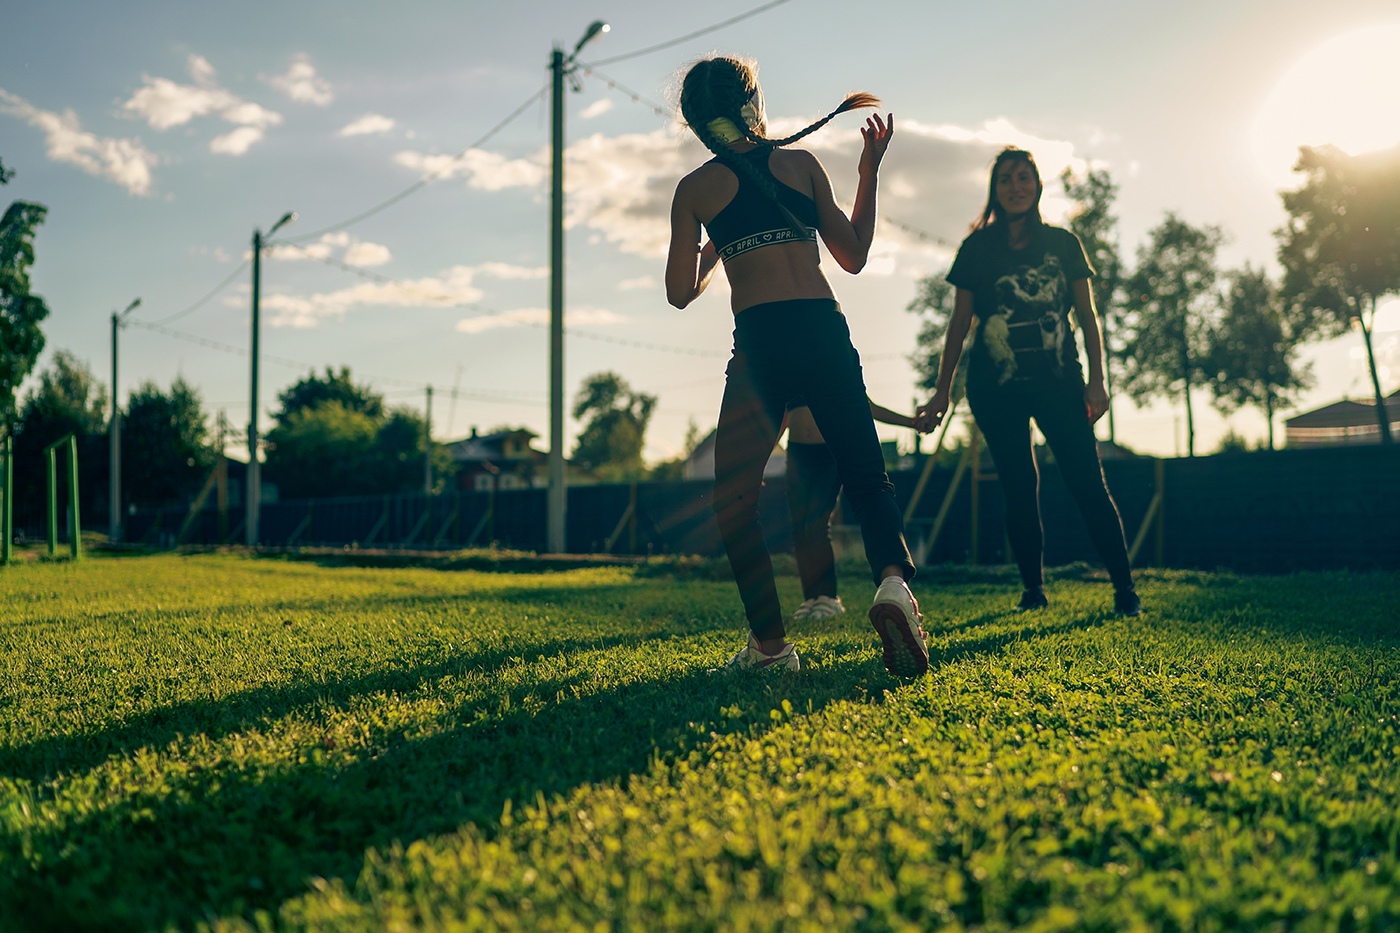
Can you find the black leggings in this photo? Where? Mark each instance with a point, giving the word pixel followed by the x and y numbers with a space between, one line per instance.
pixel 1003 413
pixel 786 354
pixel 812 487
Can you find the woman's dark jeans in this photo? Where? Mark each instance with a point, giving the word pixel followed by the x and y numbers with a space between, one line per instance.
pixel 812 487
pixel 1003 414
pixel 786 354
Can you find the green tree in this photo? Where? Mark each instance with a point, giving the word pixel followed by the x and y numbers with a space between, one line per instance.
pixel 314 390
pixel 1171 306
pixel 1254 352
pixel 322 450
pixel 1097 228
pixel 1340 248
pixel 610 445
pixel 166 453
pixel 67 399
pixel 21 340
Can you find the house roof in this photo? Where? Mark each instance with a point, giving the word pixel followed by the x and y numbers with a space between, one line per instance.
pixel 492 446
pixel 1348 413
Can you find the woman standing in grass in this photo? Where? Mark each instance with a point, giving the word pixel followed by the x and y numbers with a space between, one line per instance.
pixel 1020 279
pixel 764 206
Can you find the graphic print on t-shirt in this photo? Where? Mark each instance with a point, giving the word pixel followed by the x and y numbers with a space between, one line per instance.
pixel 1029 316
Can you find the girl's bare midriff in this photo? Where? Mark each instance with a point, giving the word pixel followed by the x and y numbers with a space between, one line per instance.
pixel 776 273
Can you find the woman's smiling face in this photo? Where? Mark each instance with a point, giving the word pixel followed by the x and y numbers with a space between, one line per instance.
pixel 1017 189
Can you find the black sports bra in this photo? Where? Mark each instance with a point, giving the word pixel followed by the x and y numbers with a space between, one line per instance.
pixel 751 220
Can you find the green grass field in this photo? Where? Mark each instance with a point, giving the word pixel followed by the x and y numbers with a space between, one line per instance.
pixel 232 743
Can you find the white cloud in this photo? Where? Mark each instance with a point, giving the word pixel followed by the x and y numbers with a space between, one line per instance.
pixel 235 142
pixel 933 181
pixel 356 252
pixel 369 123
pixel 302 84
pixel 456 286
pixel 367 254
pixel 596 109
pixel 645 281
pixel 538 317
pixel 124 161
pixel 164 103
pixel 488 171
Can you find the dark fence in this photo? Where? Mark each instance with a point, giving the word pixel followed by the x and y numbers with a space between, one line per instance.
pixel 1262 511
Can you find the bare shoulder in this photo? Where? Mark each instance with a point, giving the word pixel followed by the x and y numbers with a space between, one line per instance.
pixel 800 159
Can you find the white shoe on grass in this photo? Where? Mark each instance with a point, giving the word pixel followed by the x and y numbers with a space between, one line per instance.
pixel 750 657
pixel 818 607
pixel 895 615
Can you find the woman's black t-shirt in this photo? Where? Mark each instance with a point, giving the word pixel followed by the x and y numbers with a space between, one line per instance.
pixel 1022 299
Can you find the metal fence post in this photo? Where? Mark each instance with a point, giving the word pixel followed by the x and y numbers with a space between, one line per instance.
pixel 75 544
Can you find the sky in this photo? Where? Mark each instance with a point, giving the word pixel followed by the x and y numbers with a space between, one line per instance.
pixel 161 134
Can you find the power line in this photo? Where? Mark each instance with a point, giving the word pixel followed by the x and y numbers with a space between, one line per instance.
pixel 200 303
pixel 685 38
pixel 485 395
pixel 637 98
pixel 426 179
pixel 921 234
pixel 483 311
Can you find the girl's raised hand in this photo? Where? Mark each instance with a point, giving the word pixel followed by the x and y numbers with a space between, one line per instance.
pixel 876 133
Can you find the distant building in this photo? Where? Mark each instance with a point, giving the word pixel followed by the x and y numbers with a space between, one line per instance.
pixel 503 460
pixel 701 462
pixel 1345 422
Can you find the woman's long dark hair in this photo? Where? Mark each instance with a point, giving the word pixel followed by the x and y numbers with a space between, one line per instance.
pixel 993 214
pixel 718 88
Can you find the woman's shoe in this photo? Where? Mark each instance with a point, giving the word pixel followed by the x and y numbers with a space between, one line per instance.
pixel 896 618
pixel 1032 600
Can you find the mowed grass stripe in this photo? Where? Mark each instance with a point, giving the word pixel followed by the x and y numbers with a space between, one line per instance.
pixel 237 743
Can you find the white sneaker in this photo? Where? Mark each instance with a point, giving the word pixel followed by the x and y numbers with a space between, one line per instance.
pixel 896 618
pixel 818 607
pixel 750 657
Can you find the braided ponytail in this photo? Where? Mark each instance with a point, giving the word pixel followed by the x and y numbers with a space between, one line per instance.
pixel 718 89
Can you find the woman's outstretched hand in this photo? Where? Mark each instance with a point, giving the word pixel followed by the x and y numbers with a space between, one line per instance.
pixel 877 133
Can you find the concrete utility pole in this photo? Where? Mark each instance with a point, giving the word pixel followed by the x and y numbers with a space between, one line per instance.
pixel 114 437
pixel 254 494
pixel 557 501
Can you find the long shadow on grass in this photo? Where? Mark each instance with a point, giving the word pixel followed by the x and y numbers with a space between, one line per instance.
pixel 229 840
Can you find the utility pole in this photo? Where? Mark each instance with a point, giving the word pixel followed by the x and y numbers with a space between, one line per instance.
pixel 254 494
pixel 428 445
pixel 557 500
pixel 114 438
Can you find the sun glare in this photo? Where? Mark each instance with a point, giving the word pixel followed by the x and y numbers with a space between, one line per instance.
pixel 1344 92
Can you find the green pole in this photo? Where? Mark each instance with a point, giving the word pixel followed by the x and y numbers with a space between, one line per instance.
pixel 7 518
pixel 50 455
pixel 75 543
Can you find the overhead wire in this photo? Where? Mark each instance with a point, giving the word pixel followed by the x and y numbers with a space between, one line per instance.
pixel 426 179
pixel 685 38
pixel 212 292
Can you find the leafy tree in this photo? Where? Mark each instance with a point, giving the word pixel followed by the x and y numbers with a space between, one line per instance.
pixel 610 445
pixel 1171 306
pixel 338 387
pixel 166 453
pixel 1340 248
pixel 322 450
pixel 1254 353
pixel 933 301
pixel 67 399
pixel 21 340
pixel 336 438
pixel 1096 226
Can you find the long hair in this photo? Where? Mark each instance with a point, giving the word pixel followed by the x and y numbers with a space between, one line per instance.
pixel 993 214
pixel 723 88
